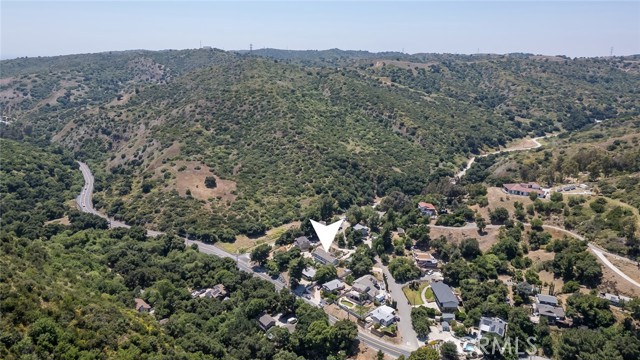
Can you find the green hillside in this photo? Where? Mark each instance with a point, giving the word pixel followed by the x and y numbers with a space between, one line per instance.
pixel 280 131
pixel 67 291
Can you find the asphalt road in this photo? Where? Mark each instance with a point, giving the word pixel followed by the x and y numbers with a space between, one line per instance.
pixel 85 204
pixel 409 336
pixel 473 158
pixel 598 251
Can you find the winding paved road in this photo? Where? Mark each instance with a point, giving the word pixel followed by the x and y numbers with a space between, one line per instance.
pixel 471 160
pixel 598 251
pixel 85 204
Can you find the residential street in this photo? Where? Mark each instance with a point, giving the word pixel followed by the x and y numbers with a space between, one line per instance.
pixel 85 204
pixel 405 327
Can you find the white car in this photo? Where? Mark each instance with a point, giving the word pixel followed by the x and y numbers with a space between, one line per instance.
pixel 292 320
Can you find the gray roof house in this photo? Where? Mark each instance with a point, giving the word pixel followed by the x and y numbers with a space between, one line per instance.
pixel 553 313
pixel 446 326
pixel 445 298
pixel 363 229
pixel 333 285
pixel 302 243
pixel 547 300
pixel 366 284
pixel 308 273
pixel 324 257
pixel 448 317
pixel 383 315
pixel 266 322
pixel 493 325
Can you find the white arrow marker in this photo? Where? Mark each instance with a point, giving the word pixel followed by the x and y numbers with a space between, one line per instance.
pixel 326 233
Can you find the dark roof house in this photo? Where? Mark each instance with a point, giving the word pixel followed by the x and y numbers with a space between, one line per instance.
pixel 553 313
pixel 323 257
pixel 302 243
pixel 445 298
pixel 547 299
pixel 266 322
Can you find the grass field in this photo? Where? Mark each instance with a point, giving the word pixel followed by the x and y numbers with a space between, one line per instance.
pixel 414 295
pixel 244 243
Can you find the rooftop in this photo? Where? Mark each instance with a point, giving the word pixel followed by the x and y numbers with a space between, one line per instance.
pixel 360 227
pixel 383 312
pixel 549 299
pixel 333 285
pixel 524 187
pixel 309 272
pixel 266 320
pixel 443 292
pixel 493 325
pixel 548 310
pixel 319 252
pixel 426 205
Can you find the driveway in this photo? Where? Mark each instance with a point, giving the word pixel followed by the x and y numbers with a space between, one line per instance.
pixel 409 336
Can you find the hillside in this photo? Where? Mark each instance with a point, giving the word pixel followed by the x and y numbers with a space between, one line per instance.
pixel 279 132
pixel 68 291
pixel 605 159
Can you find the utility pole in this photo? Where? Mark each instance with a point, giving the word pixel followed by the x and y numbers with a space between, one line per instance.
pixel 611 52
pixel 250 48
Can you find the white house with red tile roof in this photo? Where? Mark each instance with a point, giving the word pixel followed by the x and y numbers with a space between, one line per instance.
pixel 524 189
pixel 427 208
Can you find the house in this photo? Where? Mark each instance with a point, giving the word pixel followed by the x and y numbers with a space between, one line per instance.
pixel 424 259
pixel 547 299
pixel 308 273
pixel 142 306
pixel 552 313
pixel 363 229
pixel 217 292
pixel 616 300
pixel 365 288
pixel 266 322
pixel 427 209
pixel 323 257
pixel 333 286
pixel 302 243
pixel 446 326
pixel 448 317
pixel 526 288
pixel 401 231
pixel 445 298
pixel 493 325
pixel 383 315
pixel 523 189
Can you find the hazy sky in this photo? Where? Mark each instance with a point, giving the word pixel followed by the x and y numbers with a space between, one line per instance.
pixel 573 28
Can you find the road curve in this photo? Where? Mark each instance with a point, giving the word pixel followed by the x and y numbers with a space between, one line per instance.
pixel 599 252
pixel 85 204
pixel 471 160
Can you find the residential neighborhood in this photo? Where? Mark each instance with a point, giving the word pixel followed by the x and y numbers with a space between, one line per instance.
pixel 329 280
